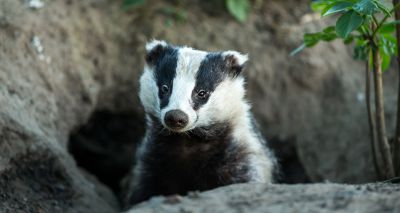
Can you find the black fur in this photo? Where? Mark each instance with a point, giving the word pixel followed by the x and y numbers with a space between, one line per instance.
pixel 210 74
pixel 212 71
pixel 233 68
pixel 202 159
pixel 165 61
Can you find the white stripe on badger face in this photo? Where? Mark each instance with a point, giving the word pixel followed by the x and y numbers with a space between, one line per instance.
pixel 188 64
pixel 180 99
pixel 149 92
pixel 225 103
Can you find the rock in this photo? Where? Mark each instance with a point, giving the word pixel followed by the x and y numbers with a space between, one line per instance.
pixel 35 4
pixel 58 65
pixel 282 198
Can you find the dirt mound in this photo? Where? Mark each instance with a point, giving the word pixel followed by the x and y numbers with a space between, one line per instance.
pixel 281 198
pixel 32 179
pixel 57 65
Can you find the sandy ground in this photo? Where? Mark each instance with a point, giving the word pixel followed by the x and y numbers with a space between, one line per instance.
pixel 281 198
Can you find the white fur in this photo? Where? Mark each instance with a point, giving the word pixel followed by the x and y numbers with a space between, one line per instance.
pixel 149 92
pixel 154 43
pixel 227 103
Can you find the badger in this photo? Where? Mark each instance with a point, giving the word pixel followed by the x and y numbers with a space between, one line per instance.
pixel 200 133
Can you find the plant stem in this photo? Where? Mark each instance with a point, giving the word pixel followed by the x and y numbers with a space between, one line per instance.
pixel 396 149
pixel 372 128
pixel 380 115
pixel 396 6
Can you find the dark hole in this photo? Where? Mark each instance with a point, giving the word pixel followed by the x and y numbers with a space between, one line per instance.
pixel 291 168
pixel 105 146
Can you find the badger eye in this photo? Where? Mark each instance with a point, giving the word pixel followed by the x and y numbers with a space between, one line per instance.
pixel 164 89
pixel 202 94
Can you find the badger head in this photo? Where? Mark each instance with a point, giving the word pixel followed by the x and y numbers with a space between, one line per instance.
pixel 185 88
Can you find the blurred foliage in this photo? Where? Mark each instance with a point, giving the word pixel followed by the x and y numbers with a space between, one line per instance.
pixel 127 4
pixel 353 26
pixel 239 9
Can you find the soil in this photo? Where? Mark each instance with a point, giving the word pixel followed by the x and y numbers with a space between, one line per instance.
pixel 282 198
pixel 35 183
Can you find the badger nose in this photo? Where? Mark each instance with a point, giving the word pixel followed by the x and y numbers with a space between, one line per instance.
pixel 176 119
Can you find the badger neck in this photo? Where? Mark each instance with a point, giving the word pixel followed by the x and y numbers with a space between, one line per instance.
pixel 241 121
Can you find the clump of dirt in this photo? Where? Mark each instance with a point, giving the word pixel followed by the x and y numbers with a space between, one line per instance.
pixel 35 183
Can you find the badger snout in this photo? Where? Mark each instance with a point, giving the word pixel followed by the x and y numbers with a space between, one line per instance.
pixel 176 119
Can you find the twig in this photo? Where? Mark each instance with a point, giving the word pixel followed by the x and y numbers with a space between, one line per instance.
pixel 380 115
pixel 380 24
pixel 372 128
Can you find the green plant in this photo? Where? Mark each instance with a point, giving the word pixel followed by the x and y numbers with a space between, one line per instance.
pixel 238 9
pixel 127 4
pixel 366 25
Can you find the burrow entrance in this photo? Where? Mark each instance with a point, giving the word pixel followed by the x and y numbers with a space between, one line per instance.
pixel 105 146
pixel 291 169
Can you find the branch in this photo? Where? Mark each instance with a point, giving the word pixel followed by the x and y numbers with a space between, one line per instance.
pixel 380 115
pixel 380 24
pixel 372 128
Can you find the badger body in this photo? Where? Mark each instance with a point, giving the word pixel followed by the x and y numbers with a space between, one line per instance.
pixel 200 133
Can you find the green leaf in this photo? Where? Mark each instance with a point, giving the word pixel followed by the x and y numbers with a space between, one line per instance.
pixel 317 6
pixel 366 7
pixel 348 40
pixel 385 62
pixel 127 4
pixel 238 9
pixel 361 49
pixel 387 29
pixel 361 52
pixel 347 23
pixel 394 22
pixel 336 8
pixel 330 29
pixel 387 48
pixel 388 44
pixel 382 7
pixel 328 34
pixel 311 39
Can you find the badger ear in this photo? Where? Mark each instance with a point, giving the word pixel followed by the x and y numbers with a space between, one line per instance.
pixel 154 50
pixel 235 62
